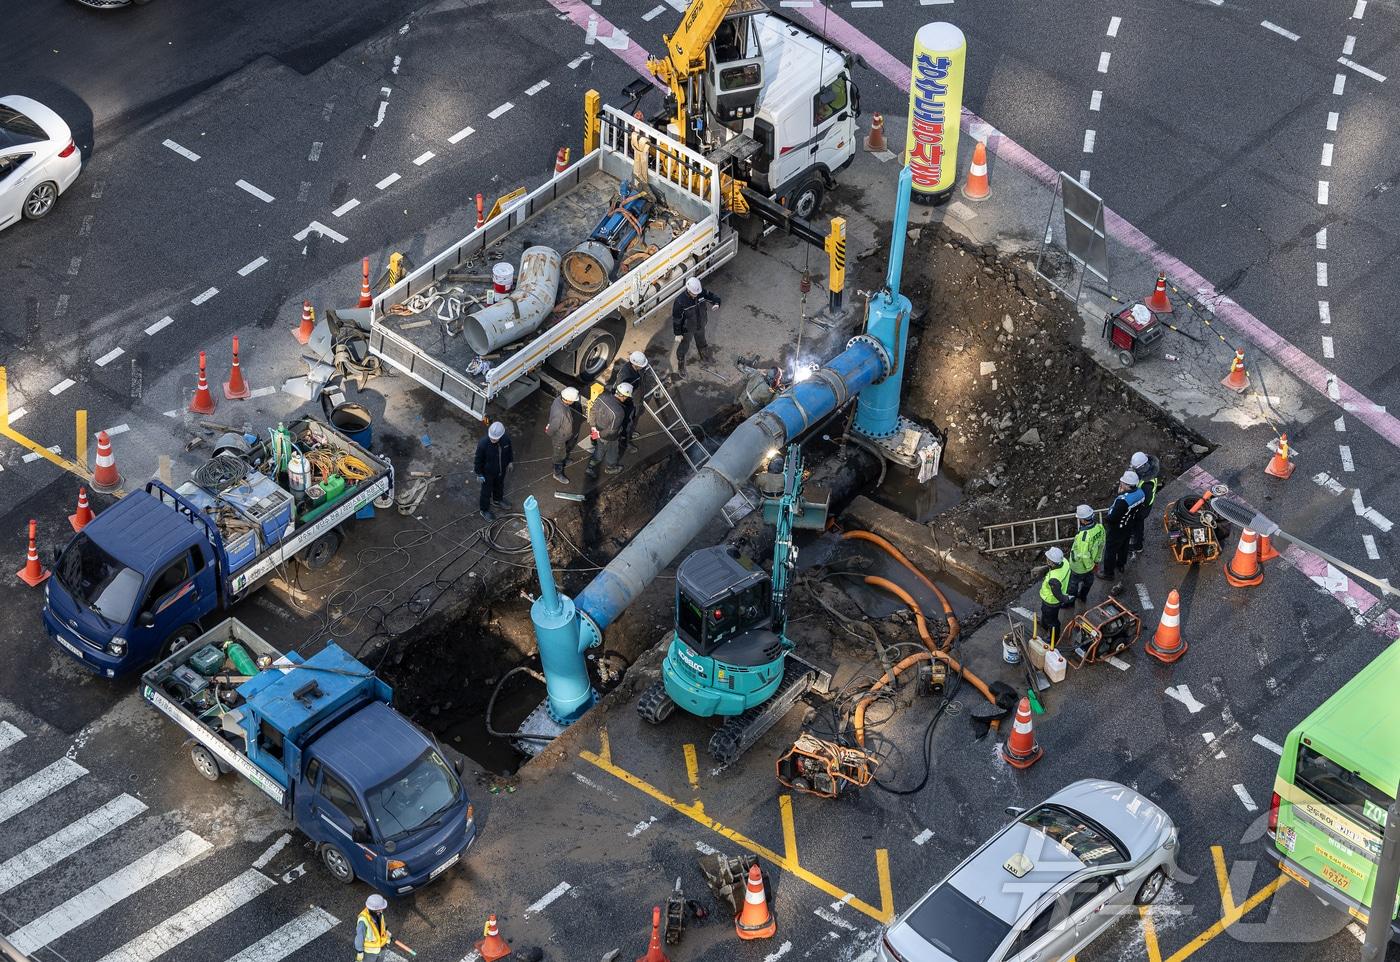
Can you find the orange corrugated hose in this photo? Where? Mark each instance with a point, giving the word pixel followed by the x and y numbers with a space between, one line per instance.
pixel 896 554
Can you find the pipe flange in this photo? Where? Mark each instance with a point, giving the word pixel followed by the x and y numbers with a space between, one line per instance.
pixel 886 364
pixel 588 634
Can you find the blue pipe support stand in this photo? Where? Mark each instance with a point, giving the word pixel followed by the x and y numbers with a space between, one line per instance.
pixel 556 622
pixel 877 412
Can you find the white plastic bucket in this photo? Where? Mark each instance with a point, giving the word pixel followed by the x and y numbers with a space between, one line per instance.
pixel 503 278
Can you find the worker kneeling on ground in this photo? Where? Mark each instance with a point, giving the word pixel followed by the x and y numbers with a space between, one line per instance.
pixel 1054 593
pixel 1084 554
pixel 612 416
pixel 372 934
pixel 1119 529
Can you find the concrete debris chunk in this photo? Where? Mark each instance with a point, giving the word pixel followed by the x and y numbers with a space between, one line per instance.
pixel 1032 436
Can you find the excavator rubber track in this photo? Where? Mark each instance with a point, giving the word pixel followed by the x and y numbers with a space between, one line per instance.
pixel 655 706
pixel 739 732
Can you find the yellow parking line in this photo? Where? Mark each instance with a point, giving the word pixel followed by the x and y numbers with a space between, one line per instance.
pixel 1222 880
pixel 80 437
pixel 882 870
pixel 5 430
pixel 1149 934
pixel 692 767
pixel 1229 919
pixel 789 828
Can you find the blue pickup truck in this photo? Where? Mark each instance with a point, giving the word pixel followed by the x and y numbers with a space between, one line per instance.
pixel 320 737
pixel 139 580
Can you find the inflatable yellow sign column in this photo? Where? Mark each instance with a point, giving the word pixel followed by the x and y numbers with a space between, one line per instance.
pixel 935 110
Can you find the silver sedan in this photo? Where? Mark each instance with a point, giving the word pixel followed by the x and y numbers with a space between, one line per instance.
pixel 38 159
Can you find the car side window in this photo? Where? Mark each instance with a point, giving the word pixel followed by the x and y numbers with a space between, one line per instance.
pixel 1038 927
pixel 313 770
pixel 1085 892
pixel 339 796
pixel 8 165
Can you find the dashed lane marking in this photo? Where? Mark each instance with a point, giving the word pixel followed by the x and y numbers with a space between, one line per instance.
pixel 398 62
pixel 345 208
pixel 423 158
pixel 1326 160
pixel 16 414
pixel 654 12
pixel 1332 118
pixel 160 325
pixel 795 4
pixel 251 266
pixel 1324 312
pixel 387 181
pixel 501 110
pixel 319 228
pixel 1084 177
pixel 544 901
pixel 1103 61
pixel 1096 100
pixel 1349 46
pixel 1368 541
pixel 461 135
pixel 923 837
pixel 1344 450
pixel 1245 800
pixel 1272 746
pixel 1323 189
pixel 536 88
pixel 315 154
pixel 1089 136
pixel 383 108
pixel 262 391
pixel 1118 663
pixel 1364 71
pixel 580 60
pixel 1286 34
pixel 1360 10
pixel 1328 348
pixel 204 295
pixel 1322 265
pixel 1144 599
pixel 62 386
pixel 1339 84
pixel 271 851
pixel 1322 239
pixel 184 152
pixel 1113 25
pixel 257 192
pixel 114 431
pixel 33 456
pixel 866 4
pixel 777 954
pixel 931 3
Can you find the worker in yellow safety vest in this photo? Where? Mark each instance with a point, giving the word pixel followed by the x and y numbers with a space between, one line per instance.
pixel 372 933
pixel 1054 593
pixel 1084 554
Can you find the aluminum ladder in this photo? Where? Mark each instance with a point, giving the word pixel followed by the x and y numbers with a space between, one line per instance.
pixel 1032 533
pixel 663 409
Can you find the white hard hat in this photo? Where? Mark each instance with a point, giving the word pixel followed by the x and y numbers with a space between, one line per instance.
pixel 497 431
pixel 1139 460
pixel 692 284
pixel 1129 478
pixel 625 389
pixel 376 903
pixel 1055 556
pixel 1083 512
pixel 569 394
pixel 638 359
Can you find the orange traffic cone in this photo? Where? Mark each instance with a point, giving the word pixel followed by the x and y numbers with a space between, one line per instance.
pixel 480 211
pixel 104 471
pixel 1021 749
pixel 203 401
pixel 1267 552
pixel 654 953
pixel 1279 465
pixel 492 946
pixel 33 573
pixel 1238 379
pixel 977 186
pixel 366 298
pixel 235 388
pixel 875 141
pixel 1158 302
pixel 1167 645
pixel 79 519
pixel 1243 570
pixel 308 323
pixel 755 921
pixel 561 160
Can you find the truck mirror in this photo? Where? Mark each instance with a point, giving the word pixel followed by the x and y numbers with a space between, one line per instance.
pixel 146 619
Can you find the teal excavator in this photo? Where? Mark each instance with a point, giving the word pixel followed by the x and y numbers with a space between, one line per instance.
pixel 729 654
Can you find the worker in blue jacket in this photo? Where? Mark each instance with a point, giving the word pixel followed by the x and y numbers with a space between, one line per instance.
pixel 493 458
pixel 1119 527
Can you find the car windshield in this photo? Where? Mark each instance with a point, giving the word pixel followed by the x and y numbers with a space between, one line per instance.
pixel 957 926
pixel 97 581
pixel 1074 833
pixel 415 797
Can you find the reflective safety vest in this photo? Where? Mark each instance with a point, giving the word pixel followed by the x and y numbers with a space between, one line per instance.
pixel 1060 575
pixel 376 937
pixel 1087 549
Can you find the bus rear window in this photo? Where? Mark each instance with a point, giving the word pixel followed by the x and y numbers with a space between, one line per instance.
pixel 1329 782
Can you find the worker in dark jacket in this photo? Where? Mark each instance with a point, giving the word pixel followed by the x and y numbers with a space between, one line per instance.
pixel 1085 552
pixel 565 421
pixel 633 371
pixel 1149 471
pixel 611 417
pixel 493 458
pixel 1117 525
pixel 1054 593
pixel 688 317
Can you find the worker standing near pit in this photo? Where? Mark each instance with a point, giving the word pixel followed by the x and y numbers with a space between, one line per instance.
pixel 1118 528
pixel 1149 471
pixel 688 318
pixel 1054 593
pixel 1085 553
pixel 633 371
pixel 610 416
pixel 372 934
pixel 493 458
pixel 565 420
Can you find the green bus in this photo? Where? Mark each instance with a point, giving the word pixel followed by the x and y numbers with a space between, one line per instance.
pixel 1335 781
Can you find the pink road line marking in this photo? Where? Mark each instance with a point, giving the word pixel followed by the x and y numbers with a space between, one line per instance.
pixel 1241 320
pixel 581 11
pixel 1352 596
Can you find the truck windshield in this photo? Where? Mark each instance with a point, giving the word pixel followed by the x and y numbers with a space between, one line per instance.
pixel 415 797
pixel 97 581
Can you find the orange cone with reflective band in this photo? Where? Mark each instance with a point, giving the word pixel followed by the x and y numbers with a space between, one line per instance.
pixel 561 160
pixel 875 142
pixel 654 953
pixel 1167 645
pixel 104 471
pixel 1158 302
pixel 1238 379
pixel 492 946
pixel 308 323
pixel 1279 465
pixel 366 297
pixel 1021 749
pixel 977 186
pixel 33 573
pixel 1267 552
pixel 1243 570
pixel 480 211
pixel 755 921
pixel 235 388
pixel 203 401
pixel 79 519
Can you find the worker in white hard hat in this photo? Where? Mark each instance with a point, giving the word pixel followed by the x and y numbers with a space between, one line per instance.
pixel 1118 528
pixel 688 316
pixel 372 934
pixel 1149 470
pixel 611 416
pixel 1085 553
pixel 494 457
pixel 565 422
pixel 633 370
pixel 1054 593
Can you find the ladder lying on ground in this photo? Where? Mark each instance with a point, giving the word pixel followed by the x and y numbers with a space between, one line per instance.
pixel 665 412
pixel 1032 533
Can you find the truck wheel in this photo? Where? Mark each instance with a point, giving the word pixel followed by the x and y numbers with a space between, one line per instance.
pixel 319 553
pixel 806 198
pixel 596 353
pixel 337 864
pixel 178 639
pixel 204 762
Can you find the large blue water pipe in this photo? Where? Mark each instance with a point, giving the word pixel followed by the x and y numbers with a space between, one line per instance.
pixel 570 693
pixel 877 411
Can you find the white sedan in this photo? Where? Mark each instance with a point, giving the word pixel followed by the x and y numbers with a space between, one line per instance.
pixel 38 159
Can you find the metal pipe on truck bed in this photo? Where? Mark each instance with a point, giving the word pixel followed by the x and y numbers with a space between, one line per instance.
pixel 520 314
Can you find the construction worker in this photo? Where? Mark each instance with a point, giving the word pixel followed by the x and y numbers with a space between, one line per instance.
pixel 1054 593
pixel 565 420
pixel 1118 528
pixel 609 415
pixel 1085 552
pixel 1149 471
pixel 372 934
pixel 688 317
pixel 493 459
pixel 633 371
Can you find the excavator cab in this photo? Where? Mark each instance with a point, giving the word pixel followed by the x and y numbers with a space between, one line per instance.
pixel 734 64
pixel 720 596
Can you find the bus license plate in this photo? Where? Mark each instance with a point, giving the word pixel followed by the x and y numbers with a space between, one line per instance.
pixel 1336 878
pixel 444 866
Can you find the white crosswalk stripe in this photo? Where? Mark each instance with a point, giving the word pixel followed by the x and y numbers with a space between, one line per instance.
pixel 67 840
pixel 295 935
pixel 96 899
pixel 9 735
pixel 193 918
pixel 38 787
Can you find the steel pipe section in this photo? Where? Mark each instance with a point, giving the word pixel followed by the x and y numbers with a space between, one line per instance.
pixel 877 414
pixel 569 692
pixel 520 314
